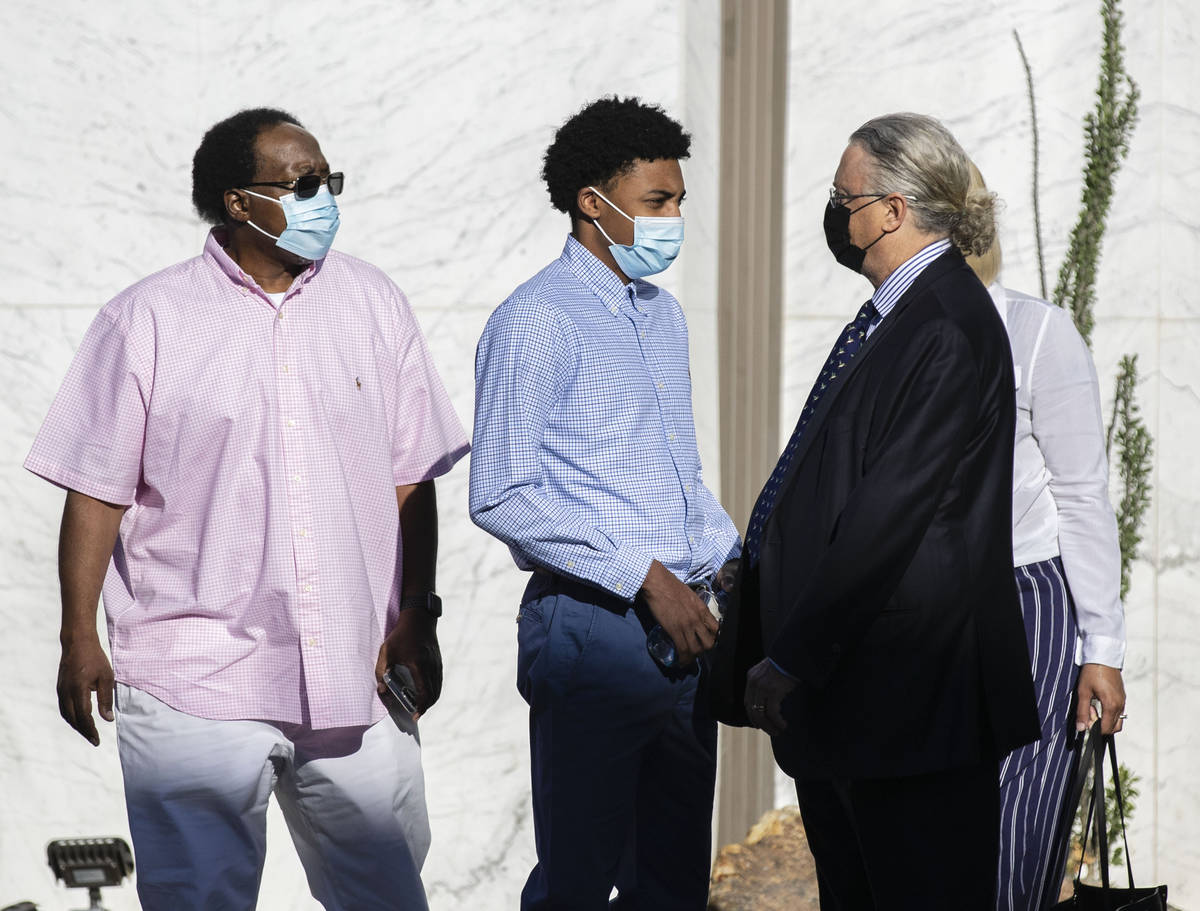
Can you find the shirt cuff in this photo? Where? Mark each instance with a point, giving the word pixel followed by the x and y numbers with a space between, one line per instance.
pixel 1105 650
pixel 626 573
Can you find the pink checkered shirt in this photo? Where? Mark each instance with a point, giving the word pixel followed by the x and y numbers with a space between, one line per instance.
pixel 258 448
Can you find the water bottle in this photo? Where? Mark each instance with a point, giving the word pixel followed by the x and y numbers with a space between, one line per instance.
pixel 659 644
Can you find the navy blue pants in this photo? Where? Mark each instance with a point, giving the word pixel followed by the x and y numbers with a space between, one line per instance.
pixel 623 757
pixel 1033 778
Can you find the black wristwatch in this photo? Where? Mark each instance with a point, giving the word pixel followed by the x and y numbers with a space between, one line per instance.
pixel 428 602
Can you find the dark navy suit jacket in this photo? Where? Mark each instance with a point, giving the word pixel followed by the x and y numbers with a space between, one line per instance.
pixel 885 581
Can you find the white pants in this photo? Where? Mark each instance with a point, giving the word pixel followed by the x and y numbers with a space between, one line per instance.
pixel 197 791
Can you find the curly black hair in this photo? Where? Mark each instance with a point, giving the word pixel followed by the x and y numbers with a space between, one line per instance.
pixel 602 142
pixel 226 158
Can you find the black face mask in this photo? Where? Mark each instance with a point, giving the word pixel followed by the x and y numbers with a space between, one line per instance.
pixel 837 236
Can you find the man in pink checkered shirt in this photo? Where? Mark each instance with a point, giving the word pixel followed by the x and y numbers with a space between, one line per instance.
pixel 249 441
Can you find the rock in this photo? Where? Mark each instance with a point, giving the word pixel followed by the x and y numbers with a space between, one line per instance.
pixel 772 870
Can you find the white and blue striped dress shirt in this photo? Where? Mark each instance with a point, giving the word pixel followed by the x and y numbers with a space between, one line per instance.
pixel 894 286
pixel 584 456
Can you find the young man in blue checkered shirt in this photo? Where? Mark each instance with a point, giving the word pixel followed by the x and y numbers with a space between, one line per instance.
pixel 585 464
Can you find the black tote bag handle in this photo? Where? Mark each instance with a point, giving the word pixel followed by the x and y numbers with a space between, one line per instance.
pixel 1087 744
pixel 1098 799
pixel 1105 897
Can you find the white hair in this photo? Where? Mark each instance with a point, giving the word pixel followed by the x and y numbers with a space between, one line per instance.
pixel 913 154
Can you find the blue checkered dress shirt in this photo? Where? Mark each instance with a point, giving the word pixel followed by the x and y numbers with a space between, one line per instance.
pixel 584 455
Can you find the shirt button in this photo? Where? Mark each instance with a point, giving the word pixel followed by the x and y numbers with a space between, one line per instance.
pixel 312 640
pixel 570 564
pixel 304 532
pixel 642 334
pixel 691 539
pixel 671 438
pixel 619 586
pixel 291 423
pixel 662 385
pixel 296 477
pixel 279 315
pixel 688 488
pixel 308 588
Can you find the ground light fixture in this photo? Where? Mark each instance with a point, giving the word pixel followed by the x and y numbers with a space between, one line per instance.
pixel 89 863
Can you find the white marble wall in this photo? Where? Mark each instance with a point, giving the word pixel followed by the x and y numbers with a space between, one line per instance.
pixel 439 114
pixel 959 62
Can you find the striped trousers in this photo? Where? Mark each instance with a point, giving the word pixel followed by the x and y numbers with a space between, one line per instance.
pixel 1033 778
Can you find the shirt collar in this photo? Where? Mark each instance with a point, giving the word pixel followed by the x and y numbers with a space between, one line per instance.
pixel 214 252
pixel 600 278
pixel 894 286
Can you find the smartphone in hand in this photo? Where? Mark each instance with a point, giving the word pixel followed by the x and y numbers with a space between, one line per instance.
pixel 399 681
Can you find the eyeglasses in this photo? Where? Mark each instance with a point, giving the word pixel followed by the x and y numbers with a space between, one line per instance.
pixel 840 199
pixel 306 187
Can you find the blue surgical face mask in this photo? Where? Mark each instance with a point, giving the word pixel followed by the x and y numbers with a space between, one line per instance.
pixel 656 243
pixel 311 223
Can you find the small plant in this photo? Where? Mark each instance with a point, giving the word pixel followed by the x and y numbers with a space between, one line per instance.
pixel 1035 188
pixel 1134 447
pixel 1107 131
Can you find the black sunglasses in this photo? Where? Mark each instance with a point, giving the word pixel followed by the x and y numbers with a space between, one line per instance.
pixel 306 187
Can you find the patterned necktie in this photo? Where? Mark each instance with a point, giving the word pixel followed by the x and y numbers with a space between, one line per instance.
pixel 843 352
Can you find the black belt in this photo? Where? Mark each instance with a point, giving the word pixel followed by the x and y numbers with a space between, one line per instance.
pixel 590 592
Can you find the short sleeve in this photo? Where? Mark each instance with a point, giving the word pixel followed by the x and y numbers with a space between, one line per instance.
pixel 91 441
pixel 428 438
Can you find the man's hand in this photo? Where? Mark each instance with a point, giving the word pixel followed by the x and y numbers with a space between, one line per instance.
pixel 766 689
pixel 1104 684
pixel 413 643
pixel 82 670
pixel 85 544
pixel 680 612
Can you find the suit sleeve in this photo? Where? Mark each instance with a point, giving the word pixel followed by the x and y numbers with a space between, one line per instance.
pixel 914 446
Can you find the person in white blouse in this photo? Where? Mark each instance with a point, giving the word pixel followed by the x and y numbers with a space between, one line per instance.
pixel 1068 566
